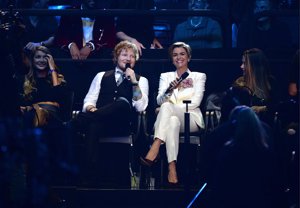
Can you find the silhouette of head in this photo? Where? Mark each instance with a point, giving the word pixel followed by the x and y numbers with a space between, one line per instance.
pixel 198 4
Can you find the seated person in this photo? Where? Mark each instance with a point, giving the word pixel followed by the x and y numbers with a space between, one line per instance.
pixel 199 31
pixel 170 119
pixel 243 163
pixel 111 99
pixel 136 29
pixel 260 84
pixel 265 32
pixel 43 90
pixel 83 35
pixel 39 30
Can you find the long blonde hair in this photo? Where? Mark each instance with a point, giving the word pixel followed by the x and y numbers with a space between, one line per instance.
pixel 30 83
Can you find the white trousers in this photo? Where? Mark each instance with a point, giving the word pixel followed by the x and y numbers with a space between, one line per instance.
pixel 169 123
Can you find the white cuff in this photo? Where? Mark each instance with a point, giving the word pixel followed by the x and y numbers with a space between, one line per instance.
pixel 69 46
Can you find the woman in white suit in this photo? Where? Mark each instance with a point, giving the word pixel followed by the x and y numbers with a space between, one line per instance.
pixel 170 119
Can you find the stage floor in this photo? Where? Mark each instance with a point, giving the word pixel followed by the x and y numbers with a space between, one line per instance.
pixel 84 197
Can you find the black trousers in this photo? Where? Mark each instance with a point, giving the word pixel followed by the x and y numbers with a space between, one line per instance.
pixel 111 120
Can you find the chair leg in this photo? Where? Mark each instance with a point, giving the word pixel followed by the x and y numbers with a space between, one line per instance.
pixel 162 166
pixel 145 177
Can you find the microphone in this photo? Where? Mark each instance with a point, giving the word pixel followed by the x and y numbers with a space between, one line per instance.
pixel 183 76
pixel 127 65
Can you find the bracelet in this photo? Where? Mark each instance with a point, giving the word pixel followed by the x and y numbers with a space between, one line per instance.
pixel 51 71
pixel 135 84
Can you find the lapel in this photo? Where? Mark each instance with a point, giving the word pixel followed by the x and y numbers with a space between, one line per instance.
pixel 182 94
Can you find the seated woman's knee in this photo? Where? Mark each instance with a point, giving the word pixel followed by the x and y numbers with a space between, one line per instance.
pixel 166 105
pixel 174 122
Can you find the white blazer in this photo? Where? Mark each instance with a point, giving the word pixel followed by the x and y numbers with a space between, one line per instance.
pixel 193 92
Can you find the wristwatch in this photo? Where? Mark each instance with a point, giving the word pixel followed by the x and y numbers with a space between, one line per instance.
pixel 90 45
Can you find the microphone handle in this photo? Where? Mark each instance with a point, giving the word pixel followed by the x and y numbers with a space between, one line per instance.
pixel 126 77
pixel 170 87
pixel 127 65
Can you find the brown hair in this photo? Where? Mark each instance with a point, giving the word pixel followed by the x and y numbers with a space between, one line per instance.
pixel 125 45
pixel 180 45
pixel 257 73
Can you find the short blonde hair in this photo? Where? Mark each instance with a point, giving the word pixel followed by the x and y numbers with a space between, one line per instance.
pixel 125 45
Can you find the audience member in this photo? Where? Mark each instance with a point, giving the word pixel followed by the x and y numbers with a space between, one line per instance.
pixel 260 84
pixel 83 35
pixel 136 29
pixel 40 30
pixel 170 119
pixel 245 170
pixel 111 99
pixel 47 154
pixel 43 90
pixel 265 32
pixel 199 31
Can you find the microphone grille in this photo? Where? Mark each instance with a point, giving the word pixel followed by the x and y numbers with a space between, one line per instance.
pixel 127 65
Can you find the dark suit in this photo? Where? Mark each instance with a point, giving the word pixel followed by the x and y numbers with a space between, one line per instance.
pixel 142 29
pixel 70 30
pixel 110 108
pixel 112 118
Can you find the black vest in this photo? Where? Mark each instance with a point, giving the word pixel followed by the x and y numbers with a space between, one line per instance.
pixel 109 90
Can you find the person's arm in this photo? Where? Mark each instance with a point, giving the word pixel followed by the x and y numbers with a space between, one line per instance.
pixel 140 91
pixel 294 75
pixel 156 44
pixel 32 45
pixel 293 89
pixel 49 42
pixel 52 70
pixel 74 51
pixel 122 36
pixel 164 83
pixel 91 97
pixel 86 50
